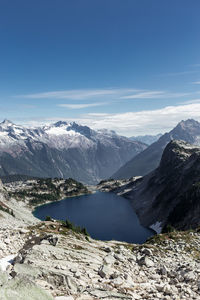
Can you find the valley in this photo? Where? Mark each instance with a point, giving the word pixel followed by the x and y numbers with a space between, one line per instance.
pixel 100 150
pixel 58 260
pixel 51 261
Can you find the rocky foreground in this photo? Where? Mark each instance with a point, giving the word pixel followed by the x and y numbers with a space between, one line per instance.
pixel 47 260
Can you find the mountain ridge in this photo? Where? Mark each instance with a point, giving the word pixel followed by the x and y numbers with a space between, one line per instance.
pixel 169 195
pixel 63 150
pixel 147 160
pixel 147 139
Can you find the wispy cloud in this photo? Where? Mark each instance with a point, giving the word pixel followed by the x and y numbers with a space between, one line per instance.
pixel 145 95
pixel 196 82
pixel 98 115
pixel 154 95
pixel 108 94
pixel 79 94
pixel 80 106
pixel 192 101
pixel 143 122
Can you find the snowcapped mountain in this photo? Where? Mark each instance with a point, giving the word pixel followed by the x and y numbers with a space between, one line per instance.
pixel 149 159
pixel 63 150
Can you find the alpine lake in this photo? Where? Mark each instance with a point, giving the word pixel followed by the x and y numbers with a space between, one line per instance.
pixel 106 216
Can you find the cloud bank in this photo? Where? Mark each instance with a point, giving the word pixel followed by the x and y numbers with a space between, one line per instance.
pixel 134 123
pixel 143 122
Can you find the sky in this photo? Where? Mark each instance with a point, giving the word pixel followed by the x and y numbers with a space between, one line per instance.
pixel 132 66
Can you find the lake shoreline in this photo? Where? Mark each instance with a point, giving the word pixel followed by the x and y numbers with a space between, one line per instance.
pixel 99 214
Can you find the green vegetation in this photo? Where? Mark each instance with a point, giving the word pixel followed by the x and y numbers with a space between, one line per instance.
pixel 16 177
pixel 168 228
pixel 75 228
pixel 42 190
pixel 60 227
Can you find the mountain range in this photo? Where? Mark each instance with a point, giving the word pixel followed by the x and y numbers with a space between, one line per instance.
pixel 147 139
pixel 149 159
pixel 168 196
pixel 63 150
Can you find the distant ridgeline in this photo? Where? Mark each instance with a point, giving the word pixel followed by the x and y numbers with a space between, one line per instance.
pixel 64 150
pixel 16 177
pixel 149 159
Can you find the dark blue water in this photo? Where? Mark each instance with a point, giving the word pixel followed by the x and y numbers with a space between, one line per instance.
pixel 106 216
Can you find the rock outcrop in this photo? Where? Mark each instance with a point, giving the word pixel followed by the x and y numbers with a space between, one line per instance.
pixel 76 268
pixel 170 194
pixel 46 260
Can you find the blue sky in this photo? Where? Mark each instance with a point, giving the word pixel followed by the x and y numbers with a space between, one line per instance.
pixel 128 65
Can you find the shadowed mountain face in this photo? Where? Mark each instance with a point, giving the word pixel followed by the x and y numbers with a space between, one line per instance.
pixel 63 150
pixel 147 139
pixel 149 159
pixel 170 194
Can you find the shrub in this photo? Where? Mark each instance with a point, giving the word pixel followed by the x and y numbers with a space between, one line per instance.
pixel 77 229
pixel 84 231
pixel 168 228
pixel 48 218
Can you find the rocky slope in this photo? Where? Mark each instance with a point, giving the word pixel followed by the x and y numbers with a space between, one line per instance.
pixel 76 268
pixel 149 159
pixel 170 194
pixel 46 260
pixel 63 150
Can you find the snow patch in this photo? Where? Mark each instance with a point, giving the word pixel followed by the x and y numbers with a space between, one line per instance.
pixel 3 133
pixel 157 227
pixel 6 261
pixel 61 131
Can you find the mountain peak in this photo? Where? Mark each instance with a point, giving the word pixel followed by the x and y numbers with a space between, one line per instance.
pixel 7 122
pixel 189 123
pixel 60 124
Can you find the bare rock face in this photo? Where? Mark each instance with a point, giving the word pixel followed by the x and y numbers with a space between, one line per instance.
pixel 78 269
pixel 21 289
pixel 170 194
pixel 45 260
